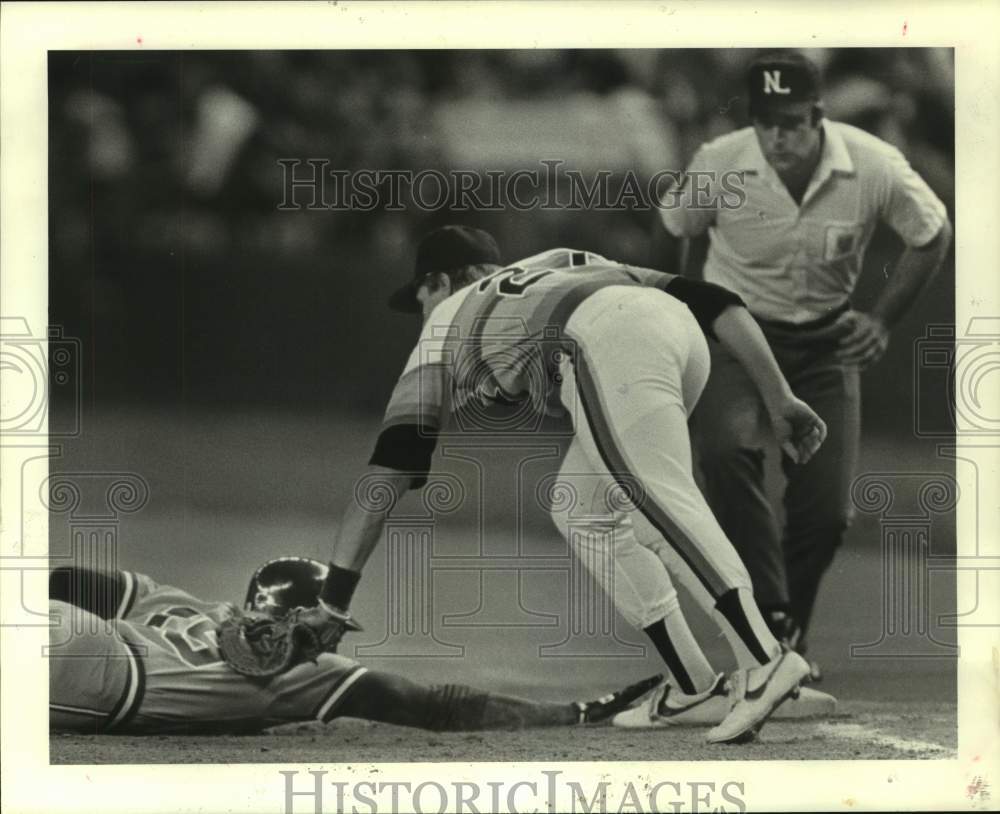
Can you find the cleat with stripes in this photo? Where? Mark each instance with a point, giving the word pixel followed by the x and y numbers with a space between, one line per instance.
pixel 809 704
pixel 756 693
pixel 607 706
pixel 668 706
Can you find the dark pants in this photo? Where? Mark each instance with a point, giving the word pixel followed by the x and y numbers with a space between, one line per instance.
pixel 731 431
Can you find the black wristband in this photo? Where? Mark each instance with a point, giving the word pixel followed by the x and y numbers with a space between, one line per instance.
pixel 338 587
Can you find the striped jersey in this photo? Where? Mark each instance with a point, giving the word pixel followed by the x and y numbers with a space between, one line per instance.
pixel 488 356
pixel 128 654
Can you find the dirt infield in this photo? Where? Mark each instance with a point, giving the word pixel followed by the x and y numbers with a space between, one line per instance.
pixel 865 731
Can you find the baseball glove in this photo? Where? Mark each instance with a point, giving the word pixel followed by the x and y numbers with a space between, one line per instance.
pixel 262 646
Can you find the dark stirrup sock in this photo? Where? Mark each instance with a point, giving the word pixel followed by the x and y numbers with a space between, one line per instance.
pixel 731 606
pixel 657 633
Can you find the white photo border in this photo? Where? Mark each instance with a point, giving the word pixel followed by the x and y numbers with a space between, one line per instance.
pixel 29 30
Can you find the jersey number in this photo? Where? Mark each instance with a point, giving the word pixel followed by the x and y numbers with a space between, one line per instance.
pixel 512 282
pixel 192 639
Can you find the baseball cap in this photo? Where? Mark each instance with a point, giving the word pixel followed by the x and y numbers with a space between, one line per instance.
pixel 444 250
pixel 781 76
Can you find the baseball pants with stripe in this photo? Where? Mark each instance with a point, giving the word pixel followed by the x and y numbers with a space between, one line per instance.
pixel 638 368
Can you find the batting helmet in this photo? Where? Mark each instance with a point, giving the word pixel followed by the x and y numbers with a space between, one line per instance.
pixel 285 583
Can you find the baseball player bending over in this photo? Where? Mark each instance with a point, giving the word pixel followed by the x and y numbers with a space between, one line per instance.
pixel 129 655
pixel 628 345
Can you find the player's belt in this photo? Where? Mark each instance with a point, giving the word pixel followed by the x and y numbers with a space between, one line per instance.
pixel 824 321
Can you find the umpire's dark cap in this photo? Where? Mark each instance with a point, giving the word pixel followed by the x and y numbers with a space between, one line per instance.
pixel 445 250
pixel 781 76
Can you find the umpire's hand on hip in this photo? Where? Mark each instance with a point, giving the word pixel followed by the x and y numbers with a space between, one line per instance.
pixel 865 338
pixel 799 431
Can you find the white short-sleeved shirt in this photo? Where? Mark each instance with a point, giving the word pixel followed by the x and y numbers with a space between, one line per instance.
pixel 790 262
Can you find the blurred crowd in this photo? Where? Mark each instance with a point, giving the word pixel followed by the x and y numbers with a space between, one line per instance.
pixel 164 184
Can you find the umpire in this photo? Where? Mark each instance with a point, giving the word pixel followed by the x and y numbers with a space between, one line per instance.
pixel 793 249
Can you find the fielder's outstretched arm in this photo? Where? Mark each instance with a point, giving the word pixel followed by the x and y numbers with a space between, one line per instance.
pixel 798 429
pixel 400 461
pixel 364 518
pixel 360 531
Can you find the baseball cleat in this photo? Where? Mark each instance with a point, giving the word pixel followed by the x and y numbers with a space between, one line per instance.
pixel 667 706
pixel 789 632
pixel 754 694
pixel 607 706
pixel 809 703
